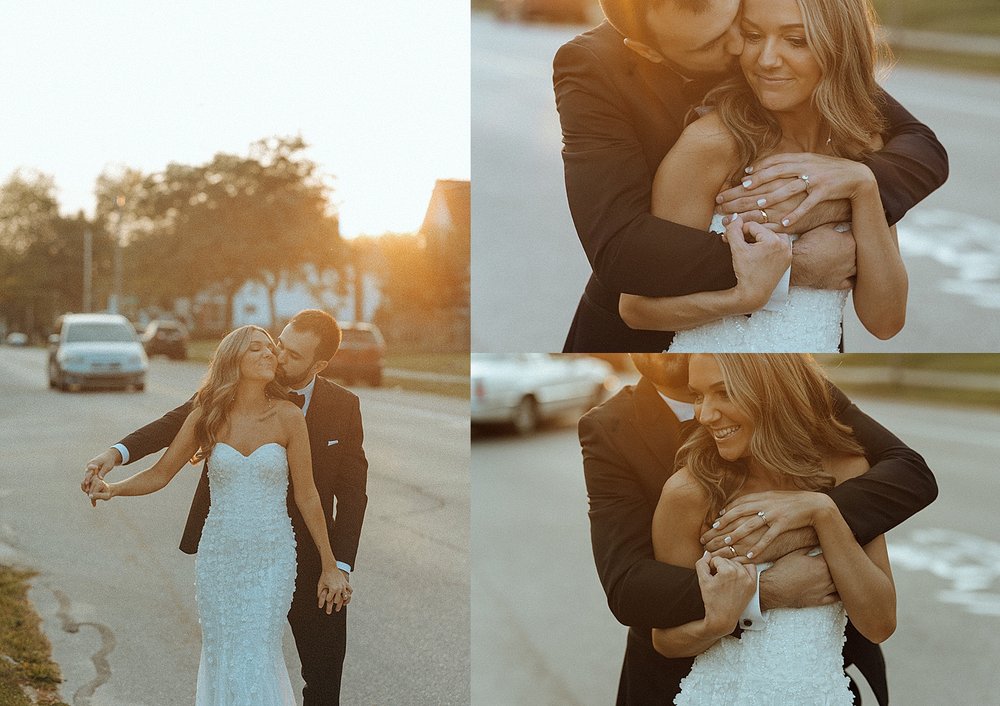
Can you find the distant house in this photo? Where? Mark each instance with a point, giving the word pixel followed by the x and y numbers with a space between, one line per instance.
pixel 206 312
pixel 447 230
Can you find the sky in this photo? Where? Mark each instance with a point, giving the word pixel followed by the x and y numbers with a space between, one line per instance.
pixel 380 90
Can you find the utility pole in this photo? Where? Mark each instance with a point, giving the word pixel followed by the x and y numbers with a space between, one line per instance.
pixel 88 269
pixel 115 303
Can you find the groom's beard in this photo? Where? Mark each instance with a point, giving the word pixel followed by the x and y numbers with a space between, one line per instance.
pixel 290 383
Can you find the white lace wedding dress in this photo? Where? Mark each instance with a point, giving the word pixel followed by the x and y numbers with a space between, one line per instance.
pixel 796 659
pixel 245 576
pixel 809 321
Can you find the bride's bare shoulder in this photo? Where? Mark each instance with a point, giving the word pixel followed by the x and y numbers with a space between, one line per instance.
pixel 683 491
pixel 710 137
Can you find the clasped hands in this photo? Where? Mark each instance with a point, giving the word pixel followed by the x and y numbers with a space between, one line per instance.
pixel 93 484
pixel 334 590
pixel 776 526
pixel 779 199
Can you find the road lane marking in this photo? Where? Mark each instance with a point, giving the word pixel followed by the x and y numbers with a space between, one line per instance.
pixel 971 565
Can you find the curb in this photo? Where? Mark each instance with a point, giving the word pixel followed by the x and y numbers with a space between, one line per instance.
pixel 911 377
pixel 975 44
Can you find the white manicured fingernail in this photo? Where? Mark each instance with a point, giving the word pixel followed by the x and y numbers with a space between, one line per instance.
pixel 715 525
pixel 728 540
pixel 748 170
pixel 761 202
pixel 749 555
pixel 785 222
pixel 747 183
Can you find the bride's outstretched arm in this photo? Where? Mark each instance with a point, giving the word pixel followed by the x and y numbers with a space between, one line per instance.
pixel 333 590
pixel 178 454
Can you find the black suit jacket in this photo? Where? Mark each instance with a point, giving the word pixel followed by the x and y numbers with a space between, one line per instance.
pixel 620 116
pixel 340 470
pixel 629 444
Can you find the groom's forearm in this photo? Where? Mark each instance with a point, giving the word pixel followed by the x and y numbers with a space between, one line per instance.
pixel 910 166
pixel 897 485
pixel 156 435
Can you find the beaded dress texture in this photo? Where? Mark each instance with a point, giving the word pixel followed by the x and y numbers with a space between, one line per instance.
pixel 808 322
pixel 245 576
pixel 796 659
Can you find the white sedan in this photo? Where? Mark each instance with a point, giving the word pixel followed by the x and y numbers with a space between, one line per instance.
pixel 523 389
pixel 98 350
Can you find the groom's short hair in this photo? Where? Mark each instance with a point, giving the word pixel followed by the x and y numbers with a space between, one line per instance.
pixel 629 16
pixel 323 326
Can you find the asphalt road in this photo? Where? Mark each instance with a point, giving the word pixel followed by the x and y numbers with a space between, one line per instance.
pixel 541 629
pixel 522 232
pixel 117 571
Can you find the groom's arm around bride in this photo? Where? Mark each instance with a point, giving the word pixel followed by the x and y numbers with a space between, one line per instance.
pixel 628 445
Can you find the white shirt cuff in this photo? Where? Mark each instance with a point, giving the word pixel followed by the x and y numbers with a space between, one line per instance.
pixel 780 293
pixel 123 451
pixel 344 566
pixel 752 618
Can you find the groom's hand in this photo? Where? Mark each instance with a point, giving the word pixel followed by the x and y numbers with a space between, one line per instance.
pixel 797 581
pixel 98 467
pixel 824 258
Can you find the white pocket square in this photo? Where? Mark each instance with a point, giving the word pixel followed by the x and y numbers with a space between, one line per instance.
pixel 333 442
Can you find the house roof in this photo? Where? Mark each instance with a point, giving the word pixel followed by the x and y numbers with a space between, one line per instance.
pixel 449 208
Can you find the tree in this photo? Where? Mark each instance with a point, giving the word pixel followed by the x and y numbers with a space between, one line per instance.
pixel 41 254
pixel 264 218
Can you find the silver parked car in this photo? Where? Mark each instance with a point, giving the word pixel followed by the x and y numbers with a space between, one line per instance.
pixel 524 389
pixel 96 350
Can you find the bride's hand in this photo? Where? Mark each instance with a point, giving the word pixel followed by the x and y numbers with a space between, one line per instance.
pixel 725 591
pixel 100 489
pixel 829 179
pixel 334 590
pixel 758 264
pixel 780 510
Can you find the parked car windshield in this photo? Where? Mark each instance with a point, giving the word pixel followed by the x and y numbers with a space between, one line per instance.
pixel 113 333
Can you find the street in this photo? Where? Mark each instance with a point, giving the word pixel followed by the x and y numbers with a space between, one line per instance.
pixel 542 632
pixel 522 231
pixel 116 570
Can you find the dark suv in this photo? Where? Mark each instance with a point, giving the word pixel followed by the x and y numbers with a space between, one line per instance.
pixel 361 355
pixel 165 337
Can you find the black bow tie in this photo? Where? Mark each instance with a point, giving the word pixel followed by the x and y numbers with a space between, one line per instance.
pixel 299 400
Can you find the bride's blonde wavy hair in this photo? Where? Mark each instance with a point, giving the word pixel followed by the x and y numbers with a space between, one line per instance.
pixel 787 397
pixel 843 36
pixel 217 393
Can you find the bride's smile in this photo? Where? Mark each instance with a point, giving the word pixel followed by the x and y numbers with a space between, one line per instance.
pixel 730 427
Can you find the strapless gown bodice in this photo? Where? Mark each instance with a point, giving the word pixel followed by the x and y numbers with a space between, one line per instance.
pixel 809 321
pixel 796 659
pixel 245 576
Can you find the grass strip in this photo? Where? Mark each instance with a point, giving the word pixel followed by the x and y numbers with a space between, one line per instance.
pixel 25 653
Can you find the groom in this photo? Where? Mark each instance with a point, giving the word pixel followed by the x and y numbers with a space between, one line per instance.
pixel 629 444
pixel 623 90
pixel 333 417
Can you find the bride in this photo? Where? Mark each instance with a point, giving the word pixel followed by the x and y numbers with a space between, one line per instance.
pixel 253 439
pixel 807 85
pixel 760 414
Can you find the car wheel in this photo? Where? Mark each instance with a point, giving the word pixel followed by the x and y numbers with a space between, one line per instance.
pixel 525 418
